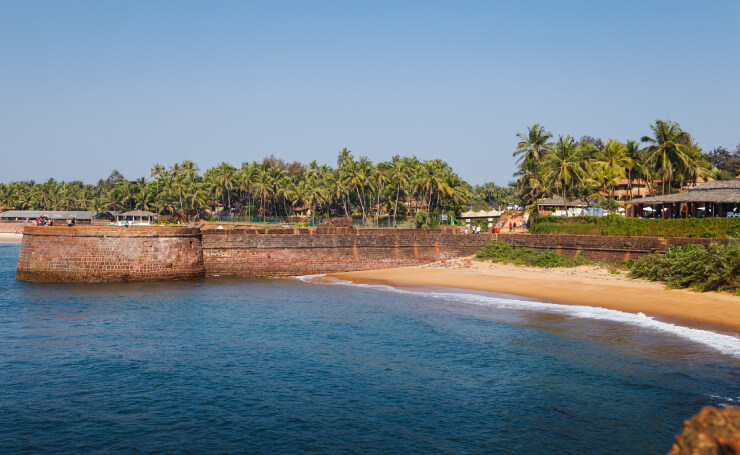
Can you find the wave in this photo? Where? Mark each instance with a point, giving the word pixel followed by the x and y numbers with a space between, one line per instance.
pixel 723 343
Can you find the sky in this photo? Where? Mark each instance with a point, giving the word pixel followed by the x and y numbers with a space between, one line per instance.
pixel 91 86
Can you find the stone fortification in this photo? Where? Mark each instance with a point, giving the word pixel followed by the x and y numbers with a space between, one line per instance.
pixel 109 253
pixel 284 252
pixel 12 227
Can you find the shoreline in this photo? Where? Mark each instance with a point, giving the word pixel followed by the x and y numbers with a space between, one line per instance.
pixel 584 285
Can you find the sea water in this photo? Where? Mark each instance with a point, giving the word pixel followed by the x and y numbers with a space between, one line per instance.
pixel 290 366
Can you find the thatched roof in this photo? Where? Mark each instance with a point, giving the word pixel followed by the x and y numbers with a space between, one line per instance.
pixel 481 214
pixel 558 201
pixel 51 214
pixel 138 213
pixel 718 191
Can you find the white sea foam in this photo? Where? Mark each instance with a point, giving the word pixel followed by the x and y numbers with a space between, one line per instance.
pixel 726 344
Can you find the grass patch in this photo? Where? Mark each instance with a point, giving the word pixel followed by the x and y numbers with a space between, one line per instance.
pixel 503 252
pixel 712 268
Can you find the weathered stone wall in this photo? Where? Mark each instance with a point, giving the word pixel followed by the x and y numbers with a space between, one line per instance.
pixel 12 227
pixel 109 253
pixel 284 252
pixel 105 253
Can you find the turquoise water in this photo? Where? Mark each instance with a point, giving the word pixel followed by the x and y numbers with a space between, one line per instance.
pixel 287 366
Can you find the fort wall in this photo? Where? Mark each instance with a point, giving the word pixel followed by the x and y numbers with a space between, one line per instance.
pixel 109 253
pixel 285 252
pixel 12 227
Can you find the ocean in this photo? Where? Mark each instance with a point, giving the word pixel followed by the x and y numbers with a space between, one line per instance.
pixel 224 365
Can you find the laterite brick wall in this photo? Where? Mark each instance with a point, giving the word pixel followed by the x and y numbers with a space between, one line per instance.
pixel 105 253
pixel 12 227
pixel 283 252
pixel 110 253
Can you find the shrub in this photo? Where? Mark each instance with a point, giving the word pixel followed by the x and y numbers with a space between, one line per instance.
pixel 617 225
pixel 714 268
pixel 502 251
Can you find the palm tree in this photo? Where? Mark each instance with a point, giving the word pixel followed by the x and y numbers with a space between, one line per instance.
pixel 224 177
pixel 356 177
pixel 668 150
pixel 563 165
pixel 381 177
pixel 158 173
pixel 400 179
pixel 614 156
pixel 344 156
pixel 532 147
pixel 314 196
pixel 337 190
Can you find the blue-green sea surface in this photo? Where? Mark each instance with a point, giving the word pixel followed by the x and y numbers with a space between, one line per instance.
pixel 288 366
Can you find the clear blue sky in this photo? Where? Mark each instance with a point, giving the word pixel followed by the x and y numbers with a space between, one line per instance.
pixel 89 86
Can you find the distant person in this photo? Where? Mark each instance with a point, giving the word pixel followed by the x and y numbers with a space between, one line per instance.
pixel 510 228
pixel 51 222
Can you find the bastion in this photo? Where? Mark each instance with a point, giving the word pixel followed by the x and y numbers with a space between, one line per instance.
pixel 110 253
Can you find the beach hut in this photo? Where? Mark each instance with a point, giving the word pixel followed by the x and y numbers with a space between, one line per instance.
pixel 80 216
pixel 137 216
pixel 720 198
pixel 574 207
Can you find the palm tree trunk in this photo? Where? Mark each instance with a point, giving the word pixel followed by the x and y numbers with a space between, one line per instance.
pixel 395 207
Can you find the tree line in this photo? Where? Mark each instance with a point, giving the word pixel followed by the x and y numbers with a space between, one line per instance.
pixel 357 187
pixel 665 161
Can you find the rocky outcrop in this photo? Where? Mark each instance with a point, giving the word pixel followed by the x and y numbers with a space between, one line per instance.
pixel 714 431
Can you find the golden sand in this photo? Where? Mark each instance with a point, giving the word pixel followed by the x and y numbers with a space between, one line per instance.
pixel 585 285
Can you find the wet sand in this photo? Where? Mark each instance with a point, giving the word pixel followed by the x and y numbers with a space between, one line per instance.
pixel 585 285
pixel 10 237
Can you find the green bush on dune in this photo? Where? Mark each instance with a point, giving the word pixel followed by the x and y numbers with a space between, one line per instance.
pixel 712 268
pixel 503 252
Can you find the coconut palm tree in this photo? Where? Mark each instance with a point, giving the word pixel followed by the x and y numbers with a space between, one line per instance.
pixel 158 173
pixel 668 150
pixel 614 156
pixel 532 147
pixel 400 179
pixel 563 165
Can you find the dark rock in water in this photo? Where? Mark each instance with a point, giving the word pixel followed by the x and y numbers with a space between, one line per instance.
pixel 712 431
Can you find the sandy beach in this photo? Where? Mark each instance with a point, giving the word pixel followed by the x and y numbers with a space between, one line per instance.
pixel 586 285
pixel 10 237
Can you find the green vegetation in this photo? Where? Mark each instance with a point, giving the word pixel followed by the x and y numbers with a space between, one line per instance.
pixel 714 268
pixel 502 251
pixel 590 168
pixel 616 225
pixel 399 188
